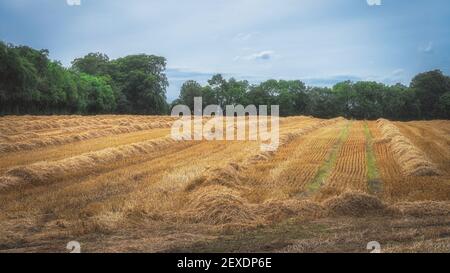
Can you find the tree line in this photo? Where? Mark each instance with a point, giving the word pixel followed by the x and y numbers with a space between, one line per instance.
pixel 31 83
pixel 427 97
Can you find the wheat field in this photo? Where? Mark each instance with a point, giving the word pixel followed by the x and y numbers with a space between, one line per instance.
pixel 122 184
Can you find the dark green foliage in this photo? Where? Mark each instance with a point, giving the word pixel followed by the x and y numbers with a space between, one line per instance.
pixel 142 82
pixel 429 88
pixel 30 83
pixel 428 97
pixel 189 91
pixel 444 106
pixel 93 64
pixel 323 103
pixel 98 95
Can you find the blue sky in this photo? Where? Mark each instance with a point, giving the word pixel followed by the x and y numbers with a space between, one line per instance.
pixel 318 41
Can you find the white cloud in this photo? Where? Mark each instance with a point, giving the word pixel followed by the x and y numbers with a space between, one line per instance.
pixel 428 48
pixel 398 72
pixel 374 2
pixel 243 36
pixel 262 55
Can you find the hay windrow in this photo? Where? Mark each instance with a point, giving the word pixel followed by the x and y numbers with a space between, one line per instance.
pixel 222 206
pixel 355 204
pixel 219 205
pixel 16 124
pixel 46 172
pixel 35 143
pixel 412 161
pixel 229 175
pixel 8 182
pixel 226 207
pixel 224 191
pixel 216 196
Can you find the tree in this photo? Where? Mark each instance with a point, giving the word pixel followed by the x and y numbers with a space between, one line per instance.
pixel 190 90
pixel 399 102
pixel 208 96
pixel 444 106
pixel 235 92
pixel 31 83
pixel 323 103
pixel 92 64
pixel 429 87
pixel 142 82
pixel 218 87
pixel 18 78
pixel 345 96
pixel 231 92
pixel 368 100
pixel 258 95
pixel 291 97
pixel 97 94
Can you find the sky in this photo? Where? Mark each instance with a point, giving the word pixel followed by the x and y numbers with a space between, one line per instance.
pixel 320 42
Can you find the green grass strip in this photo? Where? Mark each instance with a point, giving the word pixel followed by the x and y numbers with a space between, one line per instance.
pixel 326 168
pixel 373 178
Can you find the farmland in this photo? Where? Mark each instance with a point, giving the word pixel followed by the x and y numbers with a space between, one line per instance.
pixel 121 183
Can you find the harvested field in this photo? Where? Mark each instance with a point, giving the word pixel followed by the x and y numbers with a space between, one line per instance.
pixel 121 183
pixel 411 159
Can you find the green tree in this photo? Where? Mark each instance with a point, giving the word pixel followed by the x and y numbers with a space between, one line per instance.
pixel 444 106
pixel 291 97
pixel 208 96
pixel 231 92
pixel 190 90
pixel 98 96
pixel 429 87
pixel 142 82
pixel 92 64
pixel 31 83
pixel 399 102
pixel 345 96
pixel 18 79
pixel 368 100
pixel 258 95
pixel 323 102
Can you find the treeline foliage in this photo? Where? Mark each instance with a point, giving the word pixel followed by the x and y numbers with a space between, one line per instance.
pixel 30 83
pixel 427 97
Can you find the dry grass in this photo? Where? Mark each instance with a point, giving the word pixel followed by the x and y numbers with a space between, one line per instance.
pixel 45 172
pixel 134 182
pixel 424 208
pixel 356 204
pixel 219 205
pixel 412 160
pixel 38 142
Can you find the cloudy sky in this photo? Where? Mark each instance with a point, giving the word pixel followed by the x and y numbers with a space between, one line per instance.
pixel 318 41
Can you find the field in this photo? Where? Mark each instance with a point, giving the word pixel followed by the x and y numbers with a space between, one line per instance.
pixel 122 184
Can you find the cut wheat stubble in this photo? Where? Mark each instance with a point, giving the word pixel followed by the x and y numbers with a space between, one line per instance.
pixel 216 197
